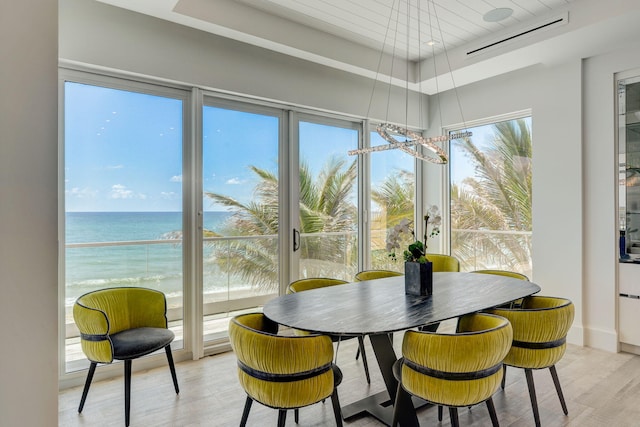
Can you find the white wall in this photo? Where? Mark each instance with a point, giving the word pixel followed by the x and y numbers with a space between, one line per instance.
pixel 28 213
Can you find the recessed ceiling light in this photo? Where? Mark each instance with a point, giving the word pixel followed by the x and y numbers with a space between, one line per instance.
pixel 432 42
pixel 497 15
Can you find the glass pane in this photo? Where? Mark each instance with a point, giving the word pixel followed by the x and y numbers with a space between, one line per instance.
pixel 392 201
pixel 328 201
pixel 491 197
pixel 240 182
pixel 123 197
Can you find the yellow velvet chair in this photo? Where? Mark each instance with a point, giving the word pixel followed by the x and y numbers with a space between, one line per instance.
pixel 540 328
pixel 454 370
pixel 283 372
pixel 321 282
pixel 443 262
pixel 122 324
pixel 375 274
pixel 506 273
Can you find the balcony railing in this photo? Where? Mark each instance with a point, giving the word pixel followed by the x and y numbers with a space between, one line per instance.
pixel 495 249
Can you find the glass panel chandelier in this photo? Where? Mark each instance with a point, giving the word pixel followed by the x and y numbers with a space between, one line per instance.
pixel 401 137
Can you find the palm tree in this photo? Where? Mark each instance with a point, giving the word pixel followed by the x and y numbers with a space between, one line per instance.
pixel 394 198
pixel 497 197
pixel 325 206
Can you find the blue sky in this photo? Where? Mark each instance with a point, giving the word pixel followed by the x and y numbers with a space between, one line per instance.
pixel 123 151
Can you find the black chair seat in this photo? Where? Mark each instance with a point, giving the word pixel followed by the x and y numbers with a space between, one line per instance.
pixel 134 343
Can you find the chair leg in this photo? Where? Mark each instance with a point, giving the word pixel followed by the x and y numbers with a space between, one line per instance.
pixel 492 412
pixel 364 359
pixel 337 412
pixel 127 390
pixel 556 381
pixel 87 384
pixel 282 417
pixel 167 349
pixel 504 376
pixel 296 415
pixel 245 412
pixel 440 412
pixel 453 414
pixel 532 394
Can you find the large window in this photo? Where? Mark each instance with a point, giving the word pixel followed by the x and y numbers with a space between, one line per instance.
pixel 491 200
pixel 123 197
pixel 392 201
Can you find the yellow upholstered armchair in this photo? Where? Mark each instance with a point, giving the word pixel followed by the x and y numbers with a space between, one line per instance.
pixel 375 274
pixel 283 372
pixel 122 324
pixel 505 273
pixel 454 370
pixel 321 282
pixel 540 328
pixel 443 262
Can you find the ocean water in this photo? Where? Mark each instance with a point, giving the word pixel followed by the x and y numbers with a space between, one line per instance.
pixel 97 257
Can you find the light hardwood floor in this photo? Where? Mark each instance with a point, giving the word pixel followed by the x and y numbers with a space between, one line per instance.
pixel 601 389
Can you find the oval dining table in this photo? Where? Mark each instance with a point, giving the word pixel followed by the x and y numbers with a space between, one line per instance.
pixel 377 308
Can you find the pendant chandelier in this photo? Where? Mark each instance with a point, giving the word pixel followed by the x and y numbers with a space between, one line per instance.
pixel 398 136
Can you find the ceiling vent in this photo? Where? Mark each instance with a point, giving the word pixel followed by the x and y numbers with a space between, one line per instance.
pixel 538 27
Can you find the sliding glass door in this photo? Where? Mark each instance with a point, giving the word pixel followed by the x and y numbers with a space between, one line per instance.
pixel 325 200
pixel 240 252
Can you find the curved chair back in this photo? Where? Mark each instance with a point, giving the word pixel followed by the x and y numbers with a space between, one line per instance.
pixel 282 372
pixel 108 311
pixel 122 324
pixel 375 274
pixel 540 328
pixel 313 283
pixel 458 369
pixel 443 262
pixel 506 273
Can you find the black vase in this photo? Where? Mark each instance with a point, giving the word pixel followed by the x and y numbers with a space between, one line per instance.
pixel 418 278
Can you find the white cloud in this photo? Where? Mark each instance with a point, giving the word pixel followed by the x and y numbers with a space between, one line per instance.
pixel 115 167
pixel 176 178
pixel 81 193
pixel 119 191
pixel 234 181
pixel 168 195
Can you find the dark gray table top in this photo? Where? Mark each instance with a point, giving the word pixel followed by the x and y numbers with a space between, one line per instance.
pixel 381 306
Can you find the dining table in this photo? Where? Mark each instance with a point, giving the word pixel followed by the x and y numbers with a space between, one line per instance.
pixel 377 308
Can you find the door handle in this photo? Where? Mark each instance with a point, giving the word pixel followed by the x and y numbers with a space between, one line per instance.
pixel 296 240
